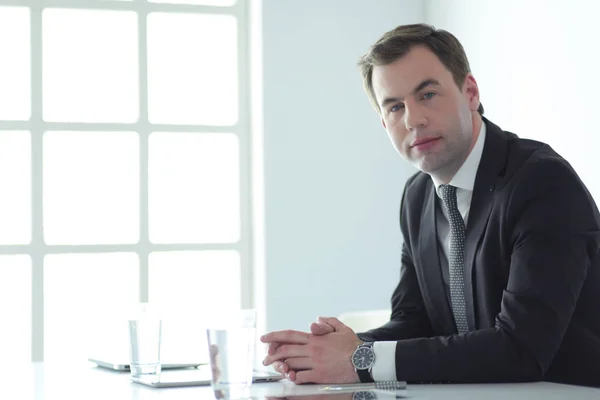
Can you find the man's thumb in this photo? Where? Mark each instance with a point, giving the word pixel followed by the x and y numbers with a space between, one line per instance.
pixel 334 322
pixel 320 329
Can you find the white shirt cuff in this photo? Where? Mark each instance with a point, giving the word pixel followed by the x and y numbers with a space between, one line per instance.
pixel 384 368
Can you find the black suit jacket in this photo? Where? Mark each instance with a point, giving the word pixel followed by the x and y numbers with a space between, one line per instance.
pixel 532 275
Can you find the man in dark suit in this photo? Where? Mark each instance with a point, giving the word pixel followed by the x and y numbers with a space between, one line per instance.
pixel 500 269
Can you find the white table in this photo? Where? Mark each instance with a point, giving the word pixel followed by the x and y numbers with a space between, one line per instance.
pixel 38 381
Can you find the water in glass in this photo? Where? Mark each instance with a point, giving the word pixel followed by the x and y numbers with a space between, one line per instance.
pixel 231 356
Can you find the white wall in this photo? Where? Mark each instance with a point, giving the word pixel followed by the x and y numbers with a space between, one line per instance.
pixel 537 64
pixel 332 179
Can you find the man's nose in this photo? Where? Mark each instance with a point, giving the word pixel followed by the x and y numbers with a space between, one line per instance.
pixel 414 117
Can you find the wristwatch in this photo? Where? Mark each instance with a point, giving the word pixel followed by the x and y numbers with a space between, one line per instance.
pixel 364 395
pixel 363 359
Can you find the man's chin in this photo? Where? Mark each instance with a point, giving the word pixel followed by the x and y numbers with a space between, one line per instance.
pixel 427 167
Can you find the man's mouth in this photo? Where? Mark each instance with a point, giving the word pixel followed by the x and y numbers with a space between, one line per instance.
pixel 424 141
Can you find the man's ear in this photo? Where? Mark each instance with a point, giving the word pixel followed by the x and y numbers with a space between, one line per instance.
pixel 383 123
pixel 471 89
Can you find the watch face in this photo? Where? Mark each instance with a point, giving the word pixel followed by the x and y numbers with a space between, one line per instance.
pixel 364 395
pixel 363 358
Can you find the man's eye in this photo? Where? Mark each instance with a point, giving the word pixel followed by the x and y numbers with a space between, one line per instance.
pixel 428 95
pixel 397 107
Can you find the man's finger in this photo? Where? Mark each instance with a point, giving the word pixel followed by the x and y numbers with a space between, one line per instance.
pixel 305 377
pixel 272 348
pixel 287 336
pixel 286 351
pixel 299 363
pixel 320 329
pixel 291 376
pixel 281 367
pixel 334 322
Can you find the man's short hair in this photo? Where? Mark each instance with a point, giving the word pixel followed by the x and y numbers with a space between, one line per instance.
pixel 397 42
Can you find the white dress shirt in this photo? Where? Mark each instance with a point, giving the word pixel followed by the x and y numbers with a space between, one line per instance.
pixel 384 368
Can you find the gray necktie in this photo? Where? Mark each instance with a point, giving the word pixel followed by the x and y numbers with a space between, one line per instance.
pixel 457 257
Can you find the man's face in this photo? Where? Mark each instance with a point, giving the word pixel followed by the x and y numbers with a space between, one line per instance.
pixel 427 116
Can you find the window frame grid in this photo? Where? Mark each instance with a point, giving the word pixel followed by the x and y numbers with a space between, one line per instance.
pixel 37 249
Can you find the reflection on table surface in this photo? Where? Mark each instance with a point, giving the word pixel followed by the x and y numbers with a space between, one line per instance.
pixel 354 395
pixel 315 392
pixel 37 381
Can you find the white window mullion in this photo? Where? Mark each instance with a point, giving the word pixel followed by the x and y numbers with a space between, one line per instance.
pixel 246 278
pixel 144 132
pixel 37 249
pixel 121 127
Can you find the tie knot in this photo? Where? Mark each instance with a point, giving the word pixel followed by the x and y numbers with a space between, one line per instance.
pixel 448 194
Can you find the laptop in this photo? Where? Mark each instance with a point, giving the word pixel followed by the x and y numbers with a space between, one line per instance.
pixel 181 347
pixel 123 365
pixel 195 377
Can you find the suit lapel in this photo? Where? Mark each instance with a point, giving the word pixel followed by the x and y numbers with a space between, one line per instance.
pixel 491 164
pixel 431 271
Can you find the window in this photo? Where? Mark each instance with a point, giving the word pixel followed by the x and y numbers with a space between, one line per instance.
pixel 124 159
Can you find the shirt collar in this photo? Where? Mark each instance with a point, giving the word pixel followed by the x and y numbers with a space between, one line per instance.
pixel 465 176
